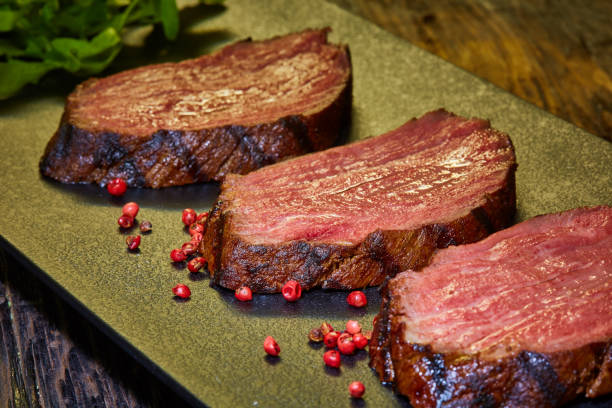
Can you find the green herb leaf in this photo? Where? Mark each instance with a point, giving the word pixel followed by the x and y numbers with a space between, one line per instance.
pixel 169 17
pixel 85 56
pixel 79 36
pixel 8 18
pixel 9 49
pixel 16 74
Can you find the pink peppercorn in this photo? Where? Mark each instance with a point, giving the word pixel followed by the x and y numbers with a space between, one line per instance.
pixel 177 255
pixel 181 291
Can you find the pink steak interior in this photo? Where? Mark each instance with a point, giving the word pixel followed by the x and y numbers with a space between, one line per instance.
pixel 429 170
pixel 543 285
pixel 243 84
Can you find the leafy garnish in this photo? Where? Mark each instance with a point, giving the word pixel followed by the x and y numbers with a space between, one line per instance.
pixel 79 36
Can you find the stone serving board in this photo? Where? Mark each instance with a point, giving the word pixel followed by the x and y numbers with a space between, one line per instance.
pixel 210 347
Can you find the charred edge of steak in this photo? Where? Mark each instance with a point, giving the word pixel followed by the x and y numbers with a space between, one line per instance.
pixel 602 384
pixel 265 268
pixel 74 151
pixel 331 126
pixel 379 347
pixel 172 157
pixel 524 379
pixel 217 240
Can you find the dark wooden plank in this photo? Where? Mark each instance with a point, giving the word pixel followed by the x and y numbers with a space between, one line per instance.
pixel 50 356
pixel 11 384
pixel 555 54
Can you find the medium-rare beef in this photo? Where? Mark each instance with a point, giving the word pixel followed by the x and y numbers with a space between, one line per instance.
pixel 522 318
pixel 248 105
pixel 349 216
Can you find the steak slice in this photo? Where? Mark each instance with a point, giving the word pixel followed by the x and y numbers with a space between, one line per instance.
pixel 246 106
pixel 349 216
pixel 522 318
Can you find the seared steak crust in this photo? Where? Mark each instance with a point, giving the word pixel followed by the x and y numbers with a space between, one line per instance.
pixel 523 379
pixel 234 261
pixel 521 318
pixel 158 155
pixel 173 157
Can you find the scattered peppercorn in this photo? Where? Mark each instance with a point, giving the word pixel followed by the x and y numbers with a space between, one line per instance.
pixel 201 218
pixel 271 347
pixel 356 389
pixel 189 216
pixel 177 255
pixel 243 294
pixel 346 344
pixel 189 248
pixel 125 221
pixel 291 291
pixel 145 226
pixel 326 328
pixel 353 326
pixel 196 264
pixel 360 340
pixel 332 358
pixel 315 335
pixel 116 186
pixel 181 291
pixel 196 238
pixel 196 228
pixel 331 339
pixel 130 209
pixel 133 242
pixel 357 299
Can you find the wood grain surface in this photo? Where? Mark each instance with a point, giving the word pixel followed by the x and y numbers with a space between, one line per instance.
pixel 50 356
pixel 555 54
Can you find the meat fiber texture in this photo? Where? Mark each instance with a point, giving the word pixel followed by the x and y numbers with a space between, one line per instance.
pixel 246 106
pixel 522 318
pixel 349 216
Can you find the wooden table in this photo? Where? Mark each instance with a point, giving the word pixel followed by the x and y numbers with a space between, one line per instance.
pixel 556 55
pixel 559 59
